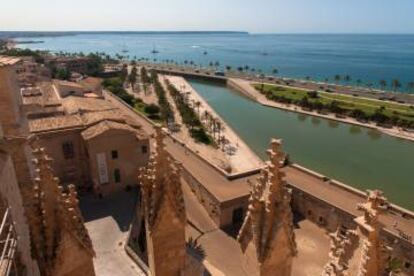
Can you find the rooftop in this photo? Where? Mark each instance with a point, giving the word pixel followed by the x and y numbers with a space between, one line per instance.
pixel 74 104
pixel 104 126
pixel 8 60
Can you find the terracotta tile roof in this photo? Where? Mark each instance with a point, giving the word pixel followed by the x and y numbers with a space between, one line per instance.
pixel 43 95
pixel 73 104
pixel 55 123
pixel 8 60
pixel 67 83
pixel 103 127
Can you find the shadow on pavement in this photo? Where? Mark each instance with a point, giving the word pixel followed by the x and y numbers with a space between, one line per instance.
pixel 120 206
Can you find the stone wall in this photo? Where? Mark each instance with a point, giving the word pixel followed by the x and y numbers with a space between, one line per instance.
pixel 130 158
pixel 330 218
pixel 220 212
pixel 209 202
pixel 69 171
pixel 10 193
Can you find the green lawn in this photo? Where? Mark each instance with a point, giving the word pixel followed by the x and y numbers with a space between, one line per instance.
pixel 344 101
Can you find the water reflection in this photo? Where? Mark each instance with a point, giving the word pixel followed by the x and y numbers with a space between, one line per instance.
pixel 333 124
pixel 316 121
pixel 355 129
pixel 302 117
pixel 374 134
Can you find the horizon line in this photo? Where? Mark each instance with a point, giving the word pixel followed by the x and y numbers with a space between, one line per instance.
pixel 199 32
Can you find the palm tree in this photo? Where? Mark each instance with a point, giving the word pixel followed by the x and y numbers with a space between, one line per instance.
pixel 218 127
pixel 337 78
pixel 206 115
pixel 228 67
pixel 198 105
pixel 395 84
pixel 212 125
pixel 383 84
pixel 132 78
pixel 275 71
pixel 347 78
pixel 410 86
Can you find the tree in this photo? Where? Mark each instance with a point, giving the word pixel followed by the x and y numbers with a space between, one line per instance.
pixel 383 84
pixel 152 109
pixel 228 67
pixel 62 74
pixel 218 127
pixel 396 84
pixel 124 72
pixel 347 78
pixel 132 78
pixel 410 86
pixel 275 71
pixel 198 105
pixel 337 78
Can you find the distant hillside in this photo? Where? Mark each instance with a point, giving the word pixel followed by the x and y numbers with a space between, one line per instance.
pixel 8 35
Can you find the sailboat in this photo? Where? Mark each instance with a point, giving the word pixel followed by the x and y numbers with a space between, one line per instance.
pixel 124 50
pixel 154 50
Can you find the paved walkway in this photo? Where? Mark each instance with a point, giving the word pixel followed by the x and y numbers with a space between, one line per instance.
pixel 243 159
pixel 108 221
pixel 216 156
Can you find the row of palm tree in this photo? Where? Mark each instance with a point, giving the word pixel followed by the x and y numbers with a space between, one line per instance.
pixel 214 125
pixel 395 84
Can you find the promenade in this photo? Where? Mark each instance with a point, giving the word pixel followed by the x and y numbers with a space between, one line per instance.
pixel 305 84
pixel 248 90
pixel 243 158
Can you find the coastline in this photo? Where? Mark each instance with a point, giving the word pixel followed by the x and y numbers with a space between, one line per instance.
pixel 245 87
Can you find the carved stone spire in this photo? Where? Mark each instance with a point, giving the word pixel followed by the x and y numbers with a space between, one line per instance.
pixel 372 259
pixel 267 232
pixel 164 211
pixel 56 224
pixel 339 253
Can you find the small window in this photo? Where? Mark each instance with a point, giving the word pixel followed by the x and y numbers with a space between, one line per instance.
pixel 144 149
pixel 114 154
pixel 68 151
pixel 117 175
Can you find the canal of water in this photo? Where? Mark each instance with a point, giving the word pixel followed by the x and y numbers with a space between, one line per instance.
pixel 359 157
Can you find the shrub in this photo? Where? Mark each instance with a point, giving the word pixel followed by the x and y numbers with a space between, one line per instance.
pixel 152 109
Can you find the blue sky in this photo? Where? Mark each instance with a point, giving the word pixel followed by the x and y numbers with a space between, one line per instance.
pixel 259 16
